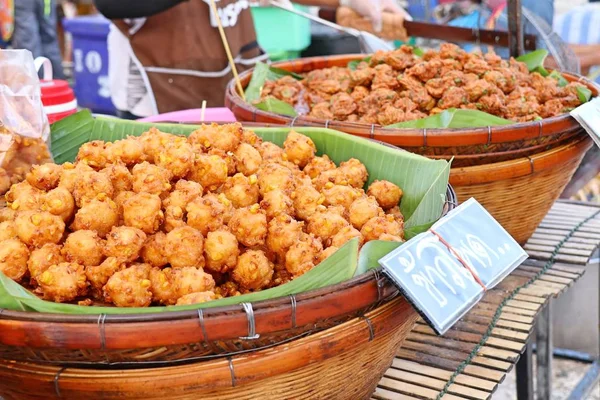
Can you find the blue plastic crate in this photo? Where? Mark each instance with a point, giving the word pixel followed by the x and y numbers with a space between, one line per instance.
pixel 281 31
pixel 90 62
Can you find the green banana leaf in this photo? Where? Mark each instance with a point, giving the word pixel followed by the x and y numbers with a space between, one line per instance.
pixel 423 181
pixel 276 106
pixel 263 72
pixel 454 118
pixel 534 59
pixel 584 94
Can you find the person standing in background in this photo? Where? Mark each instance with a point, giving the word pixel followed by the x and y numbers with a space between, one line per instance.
pixel 35 30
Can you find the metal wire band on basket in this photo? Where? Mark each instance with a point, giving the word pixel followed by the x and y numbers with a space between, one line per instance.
pixel 489 135
pixel 202 326
pixel 370 325
pixel 251 322
pixel 541 128
pixel 232 371
pixel 294 304
pixel 56 384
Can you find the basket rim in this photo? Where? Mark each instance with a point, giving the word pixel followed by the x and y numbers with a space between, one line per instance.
pixel 243 368
pixel 238 310
pixel 520 167
pixel 410 137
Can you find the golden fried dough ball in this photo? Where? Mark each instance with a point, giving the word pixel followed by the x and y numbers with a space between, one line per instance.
pixel 317 165
pixel 328 252
pixel 163 286
pixel 299 149
pixel 150 178
pixel 340 195
pixel 7 214
pixel 195 298
pixel 306 200
pixel 224 137
pixel 395 211
pixel 221 250
pixel 59 202
pixel 99 215
pixel 209 170
pixel 8 230
pixel 331 176
pixel 184 247
pixel 120 199
pixel 325 224
pixel 93 154
pixel 120 177
pixel 253 270
pixel 228 289
pixel 124 243
pixel 270 151
pixel 63 282
pixel 36 228
pixel 277 202
pixel 345 234
pixel 377 226
pixel 391 238
pixel 43 258
pixel 251 138
pixel 70 174
pixel 192 280
pixel 174 218
pixel 227 156
pixel 206 213
pixel 129 287
pixel 143 211
pixel 177 157
pixel 185 191
pixel 24 197
pixel 13 259
pixel 154 141
pixel 248 159
pixel 249 225
pixel 242 191
pixel 283 232
pixel 89 185
pixel 303 255
pixel 363 209
pixel 275 176
pixel 154 252
pixel 355 172
pixel 45 176
pixel 83 247
pixel 386 193
pixel 98 275
pixel 128 151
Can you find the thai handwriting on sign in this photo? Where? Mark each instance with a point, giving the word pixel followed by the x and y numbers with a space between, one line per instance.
pixel 444 272
pixel 445 269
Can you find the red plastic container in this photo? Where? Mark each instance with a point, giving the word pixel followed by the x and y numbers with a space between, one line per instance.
pixel 58 99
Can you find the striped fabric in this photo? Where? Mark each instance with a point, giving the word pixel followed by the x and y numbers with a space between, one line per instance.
pixel 580 25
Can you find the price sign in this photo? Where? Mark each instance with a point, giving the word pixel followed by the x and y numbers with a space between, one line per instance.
pixel 445 271
pixel 588 116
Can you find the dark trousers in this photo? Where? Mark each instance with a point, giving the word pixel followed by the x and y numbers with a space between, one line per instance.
pixel 35 30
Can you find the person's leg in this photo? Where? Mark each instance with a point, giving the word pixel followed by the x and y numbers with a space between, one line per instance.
pixel 46 10
pixel 26 34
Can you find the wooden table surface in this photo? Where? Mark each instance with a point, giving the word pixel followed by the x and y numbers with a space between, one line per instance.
pixel 426 362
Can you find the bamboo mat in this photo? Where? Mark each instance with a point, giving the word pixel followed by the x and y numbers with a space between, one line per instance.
pixel 426 362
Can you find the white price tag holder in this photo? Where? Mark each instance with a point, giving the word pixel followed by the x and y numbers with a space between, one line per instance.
pixel 588 116
pixel 445 271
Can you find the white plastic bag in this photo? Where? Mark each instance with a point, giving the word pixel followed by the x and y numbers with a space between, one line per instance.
pixel 24 127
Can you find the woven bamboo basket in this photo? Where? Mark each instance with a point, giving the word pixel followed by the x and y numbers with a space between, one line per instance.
pixel 165 338
pixel 519 193
pixel 343 362
pixel 476 146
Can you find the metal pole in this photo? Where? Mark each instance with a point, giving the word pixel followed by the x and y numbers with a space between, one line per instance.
pixel 525 374
pixel 515 28
pixel 544 353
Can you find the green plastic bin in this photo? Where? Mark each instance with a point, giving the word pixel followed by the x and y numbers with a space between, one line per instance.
pixel 280 33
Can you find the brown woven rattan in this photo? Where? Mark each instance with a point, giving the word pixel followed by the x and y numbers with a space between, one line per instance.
pixel 519 193
pixel 491 144
pixel 173 337
pixel 343 362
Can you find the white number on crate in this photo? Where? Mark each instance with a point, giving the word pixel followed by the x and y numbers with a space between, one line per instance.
pixel 78 60
pixel 93 62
